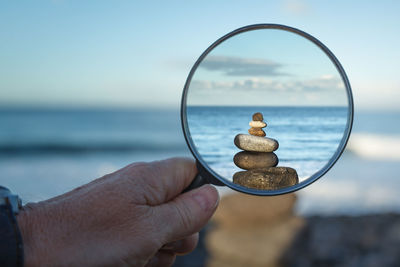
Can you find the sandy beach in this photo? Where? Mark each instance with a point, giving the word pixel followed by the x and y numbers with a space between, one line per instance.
pixel 254 231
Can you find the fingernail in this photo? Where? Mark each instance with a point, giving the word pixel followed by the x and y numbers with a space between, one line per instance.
pixel 204 199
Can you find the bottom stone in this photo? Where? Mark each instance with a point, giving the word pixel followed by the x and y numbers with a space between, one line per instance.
pixel 271 178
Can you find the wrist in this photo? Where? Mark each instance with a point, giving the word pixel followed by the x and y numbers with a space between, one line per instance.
pixel 26 221
pixel 37 232
pixel 46 234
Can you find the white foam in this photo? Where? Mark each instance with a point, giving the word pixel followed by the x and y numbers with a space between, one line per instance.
pixel 347 197
pixel 373 146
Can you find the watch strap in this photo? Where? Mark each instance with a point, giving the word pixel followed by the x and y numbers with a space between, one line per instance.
pixel 11 248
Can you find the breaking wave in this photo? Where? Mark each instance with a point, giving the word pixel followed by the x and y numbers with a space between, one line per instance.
pixel 375 146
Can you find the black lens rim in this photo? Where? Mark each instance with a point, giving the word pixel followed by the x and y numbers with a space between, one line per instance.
pixel 315 176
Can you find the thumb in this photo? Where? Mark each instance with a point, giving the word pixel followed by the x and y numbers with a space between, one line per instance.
pixel 187 213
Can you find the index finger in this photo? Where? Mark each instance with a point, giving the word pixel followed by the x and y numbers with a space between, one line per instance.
pixel 164 180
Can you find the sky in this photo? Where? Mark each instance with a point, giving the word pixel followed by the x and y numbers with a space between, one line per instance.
pixel 267 67
pixel 139 53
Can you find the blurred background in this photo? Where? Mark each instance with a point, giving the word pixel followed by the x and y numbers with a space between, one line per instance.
pixel 87 87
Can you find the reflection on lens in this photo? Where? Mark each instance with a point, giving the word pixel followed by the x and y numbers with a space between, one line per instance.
pixel 259 160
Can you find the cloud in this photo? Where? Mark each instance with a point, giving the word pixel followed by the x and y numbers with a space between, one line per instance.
pixel 323 83
pixel 237 66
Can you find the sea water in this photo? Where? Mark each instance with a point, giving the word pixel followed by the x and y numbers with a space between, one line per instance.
pixel 308 136
pixel 47 151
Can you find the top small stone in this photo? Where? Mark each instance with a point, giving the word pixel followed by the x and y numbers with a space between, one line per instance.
pixel 258 117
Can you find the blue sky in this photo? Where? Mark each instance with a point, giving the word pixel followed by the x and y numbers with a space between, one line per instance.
pixel 139 53
pixel 267 67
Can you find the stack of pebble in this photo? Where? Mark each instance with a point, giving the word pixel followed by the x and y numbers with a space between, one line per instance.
pixel 259 160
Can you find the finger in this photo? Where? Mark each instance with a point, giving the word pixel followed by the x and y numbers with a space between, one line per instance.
pixel 183 246
pixel 162 259
pixel 177 174
pixel 164 180
pixel 187 213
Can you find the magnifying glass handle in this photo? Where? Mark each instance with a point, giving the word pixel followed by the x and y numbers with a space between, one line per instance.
pixel 197 182
pixel 202 177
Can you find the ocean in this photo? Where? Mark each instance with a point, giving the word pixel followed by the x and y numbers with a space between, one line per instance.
pixel 308 136
pixel 48 151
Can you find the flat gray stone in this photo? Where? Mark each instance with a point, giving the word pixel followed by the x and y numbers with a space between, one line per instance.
pixel 255 143
pixel 271 178
pixel 253 160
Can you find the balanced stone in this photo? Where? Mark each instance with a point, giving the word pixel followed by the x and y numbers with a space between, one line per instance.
pixel 271 178
pixel 256 131
pixel 258 117
pixel 257 124
pixel 253 160
pixel 255 143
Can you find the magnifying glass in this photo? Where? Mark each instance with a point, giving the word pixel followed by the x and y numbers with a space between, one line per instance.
pixel 266 110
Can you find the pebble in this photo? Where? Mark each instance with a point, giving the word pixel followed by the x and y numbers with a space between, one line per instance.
pixel 257 124
pixel 252 160
pixel 258 117
pixel 270 178
pixel 256 131
pixel 255 143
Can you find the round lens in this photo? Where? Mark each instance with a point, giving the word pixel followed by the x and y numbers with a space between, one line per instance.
pixel 267 109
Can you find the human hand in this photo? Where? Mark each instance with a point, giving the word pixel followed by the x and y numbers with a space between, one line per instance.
pixel 135 216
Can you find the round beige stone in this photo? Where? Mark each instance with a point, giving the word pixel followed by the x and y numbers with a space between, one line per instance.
pixel 255 143
pixel 253 160
pixel 257 124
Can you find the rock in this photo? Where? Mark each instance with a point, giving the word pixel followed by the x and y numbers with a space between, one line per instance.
pixel 343 240
pixel 271 178
pixel 255 143
pixel 256 132
pixel 257 124
pixel 253 211
pixel 253 246
pixel 253 160
pixel 251 230
pixel 258 117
